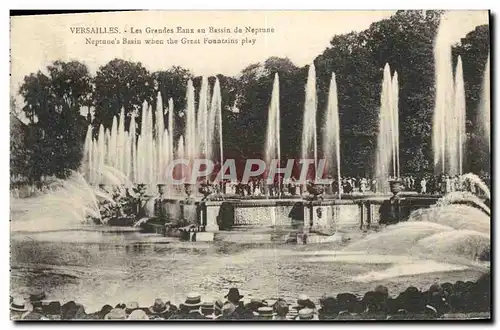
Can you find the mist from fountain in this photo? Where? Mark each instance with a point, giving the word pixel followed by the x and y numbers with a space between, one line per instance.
pixel 450 235
pixel 387 157
pixel 309 130
pixel 69 204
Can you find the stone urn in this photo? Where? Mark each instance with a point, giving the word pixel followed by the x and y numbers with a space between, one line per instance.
pixel 315 190
pixel 206 190
pixel 395 186
pixel 161 189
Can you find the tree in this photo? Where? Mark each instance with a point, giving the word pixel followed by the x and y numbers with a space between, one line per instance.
pixel 18 151
pixel 405 41
pixel 71 83
pixel 39 98
pixel 54 138
pixel 121 84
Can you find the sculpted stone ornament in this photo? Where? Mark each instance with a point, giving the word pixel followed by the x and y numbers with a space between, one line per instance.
pixel 319 212
pixel 395 186
pixel 315 190
pixel 390 209
pixel 188 189
pixel 206 190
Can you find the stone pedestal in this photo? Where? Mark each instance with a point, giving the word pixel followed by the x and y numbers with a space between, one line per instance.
pixel 365 219
pixel 321 218
pixel 204 237
pixel 209 214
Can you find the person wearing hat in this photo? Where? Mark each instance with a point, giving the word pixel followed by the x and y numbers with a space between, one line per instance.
pixel 348 302
pixel 281 310
pixel 412 300
pixel 265 313
pixel 240 312
pixel 382 289
pixel 304 301
pixel 234 296
pixel 255 304
pixel 138 315
pixel 212 310
pixel 228 312
pixel 307 314
pixel 374 305
pixel 102 313
pixel 161 309
pixel 190 309
pixel 329 308
pixel 73 311
pixel 116 314
pixel 18 308
pixel 36 300
pixel 131 306
pixel 51 309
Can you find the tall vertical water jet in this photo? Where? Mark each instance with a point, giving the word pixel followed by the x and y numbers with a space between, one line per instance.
pixel 215 147
pixel 95 162
pixel 309 131
pixel 273 149
pixel 443 100
pixel 485 107
pixel 133 152
pixel 459 105
pixel 127 151
pixel 202 119
pixel 87 155
pixel 129 156
pixel 190 130
pixel 171 129
pixel 107 144
pixel 101 152
pixel 113 142
pixel 331 134
pixel 159 129
pixel 165 153
pixel 388 136
pixel 395 111
pixel 181 155
pixel 151 168
pixel 141 144
pixel 120 143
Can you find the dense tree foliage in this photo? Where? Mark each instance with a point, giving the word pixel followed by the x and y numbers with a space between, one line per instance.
pixel 404 41
pixel 121 84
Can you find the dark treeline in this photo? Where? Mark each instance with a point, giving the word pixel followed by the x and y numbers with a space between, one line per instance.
pixel 56 131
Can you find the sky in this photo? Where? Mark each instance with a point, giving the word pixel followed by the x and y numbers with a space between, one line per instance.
pixel 37 41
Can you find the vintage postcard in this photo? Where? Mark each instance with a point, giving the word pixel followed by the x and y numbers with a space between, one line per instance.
pixel 250 165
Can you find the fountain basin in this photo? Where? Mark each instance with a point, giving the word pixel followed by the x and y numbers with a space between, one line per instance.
pixel 291 213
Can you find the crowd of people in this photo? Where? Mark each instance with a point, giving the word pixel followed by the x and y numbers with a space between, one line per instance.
pixel 424 184
pixel 440 301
